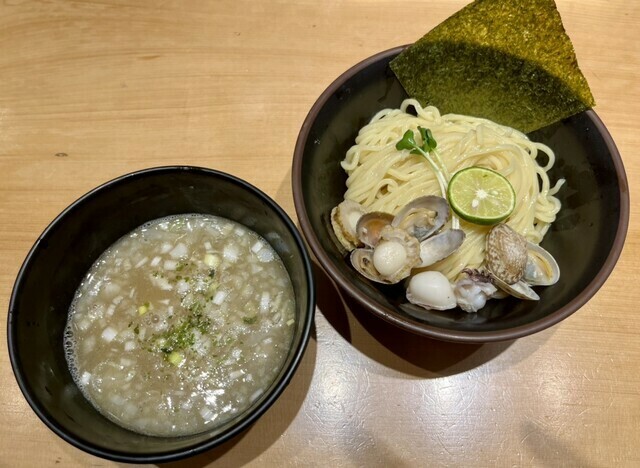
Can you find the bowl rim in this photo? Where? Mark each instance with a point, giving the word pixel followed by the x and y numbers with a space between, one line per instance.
pixel 426 329
pixel 207 444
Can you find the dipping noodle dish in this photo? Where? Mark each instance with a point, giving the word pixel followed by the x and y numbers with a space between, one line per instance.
pixel 405 215
pixel 180 325
pixel 447 193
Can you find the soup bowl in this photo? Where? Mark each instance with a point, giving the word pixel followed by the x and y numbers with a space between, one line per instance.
pixel 586 238
pixel 65 251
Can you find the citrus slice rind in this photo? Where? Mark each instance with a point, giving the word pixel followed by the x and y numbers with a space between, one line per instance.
pixel 481 196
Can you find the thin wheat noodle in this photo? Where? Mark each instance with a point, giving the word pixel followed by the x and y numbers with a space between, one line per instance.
pixel 382 178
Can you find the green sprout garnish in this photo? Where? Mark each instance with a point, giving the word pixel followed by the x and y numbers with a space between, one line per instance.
pixel 428 148
pixel 408 142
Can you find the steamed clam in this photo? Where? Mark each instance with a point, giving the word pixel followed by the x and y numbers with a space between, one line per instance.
pixel 506 253
pixel 390 259
pixel 369 227
pixel 387 249
pixel 541 268
pixel 512 266
pixel 344 219
pixel 423 216
pixel 516 264
pixel 394 245
pixel 440 246
pixel 431 290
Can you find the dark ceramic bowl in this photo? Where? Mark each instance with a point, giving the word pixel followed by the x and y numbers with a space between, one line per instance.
pixel 586 238
pixel 65 251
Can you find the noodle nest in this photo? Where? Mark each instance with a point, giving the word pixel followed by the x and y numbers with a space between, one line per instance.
pixel 382 178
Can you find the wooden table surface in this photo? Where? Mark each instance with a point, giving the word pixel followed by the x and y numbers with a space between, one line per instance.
pixel 93 89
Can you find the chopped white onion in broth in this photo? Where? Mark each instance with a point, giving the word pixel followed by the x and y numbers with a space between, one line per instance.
pixel 180 325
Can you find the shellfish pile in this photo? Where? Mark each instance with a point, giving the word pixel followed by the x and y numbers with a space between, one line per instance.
pixel 388 249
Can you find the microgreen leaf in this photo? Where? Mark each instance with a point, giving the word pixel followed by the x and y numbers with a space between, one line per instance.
pixel 428 142
pixel 407 142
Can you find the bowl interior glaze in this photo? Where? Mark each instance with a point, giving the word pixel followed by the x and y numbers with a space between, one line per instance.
pixel 64 253
pixel 586 238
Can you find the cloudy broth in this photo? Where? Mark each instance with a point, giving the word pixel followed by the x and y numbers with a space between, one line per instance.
pixel 180 325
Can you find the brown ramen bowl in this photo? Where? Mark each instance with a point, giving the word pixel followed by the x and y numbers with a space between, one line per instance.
pixel 586 238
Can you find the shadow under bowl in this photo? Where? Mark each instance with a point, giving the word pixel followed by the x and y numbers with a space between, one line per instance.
pixel 586 238
pixel 63 254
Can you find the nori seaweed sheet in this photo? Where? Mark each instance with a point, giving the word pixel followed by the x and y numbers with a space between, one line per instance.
pixel 510 61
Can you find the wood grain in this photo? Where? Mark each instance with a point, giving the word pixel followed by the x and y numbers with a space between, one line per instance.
pixel 90 90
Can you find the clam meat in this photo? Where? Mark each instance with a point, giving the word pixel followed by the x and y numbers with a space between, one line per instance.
pixel 394 245
pixel 431 290
pixel 391 259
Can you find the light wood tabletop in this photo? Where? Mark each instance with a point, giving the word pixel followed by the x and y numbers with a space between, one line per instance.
pixel 93 89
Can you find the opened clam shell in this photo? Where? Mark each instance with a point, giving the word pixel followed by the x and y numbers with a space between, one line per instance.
pixel 391 260
pixel 344 219
pixel 541 268
pixel 519 289
pixel 516 264
pixel 440 246
pixel 370 226
pixel 423 216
